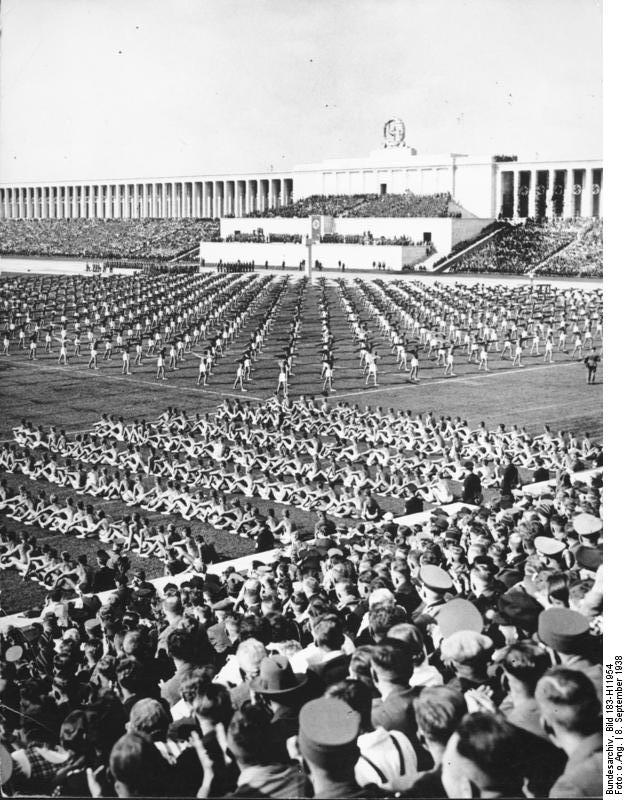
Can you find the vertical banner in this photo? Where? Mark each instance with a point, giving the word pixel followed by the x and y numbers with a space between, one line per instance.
pixel 315 228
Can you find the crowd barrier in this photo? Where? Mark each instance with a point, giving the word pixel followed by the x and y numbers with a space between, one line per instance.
pixel 545 487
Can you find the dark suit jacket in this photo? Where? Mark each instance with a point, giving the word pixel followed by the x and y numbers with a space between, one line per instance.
pixel 471 487
pixel 396 713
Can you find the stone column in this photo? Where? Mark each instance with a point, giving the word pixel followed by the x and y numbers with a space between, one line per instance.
pixel 168 200
pixel 549 194
pixel 586 207
pixel 531 197
pixel 567 199
pixel 515 193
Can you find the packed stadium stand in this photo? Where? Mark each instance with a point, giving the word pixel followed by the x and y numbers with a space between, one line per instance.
pixel 584 256
pixel 368 205
pixel 521 248
pixel 154 239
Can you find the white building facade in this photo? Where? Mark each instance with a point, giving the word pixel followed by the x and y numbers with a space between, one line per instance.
pixel 485 186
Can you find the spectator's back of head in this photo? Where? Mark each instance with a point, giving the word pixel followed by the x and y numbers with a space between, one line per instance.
pixel 138 768
pixel 391 662
pixel 527 663
pixel 149 718
pixel 485 751
pixel 328 631
pixel 438 711
pixel 357 695
pixel 249 735
pixel 568 702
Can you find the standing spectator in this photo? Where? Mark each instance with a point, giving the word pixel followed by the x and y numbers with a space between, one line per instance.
pixel 571 714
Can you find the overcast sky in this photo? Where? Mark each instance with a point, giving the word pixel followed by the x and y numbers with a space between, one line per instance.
pixel 138 88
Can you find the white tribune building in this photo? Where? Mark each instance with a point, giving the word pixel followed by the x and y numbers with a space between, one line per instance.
pixel 485 186
pixel 482 188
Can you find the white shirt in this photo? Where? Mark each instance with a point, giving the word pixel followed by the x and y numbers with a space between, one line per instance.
pixel 393 756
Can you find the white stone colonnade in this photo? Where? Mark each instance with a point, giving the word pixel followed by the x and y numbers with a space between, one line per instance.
pixel 168 199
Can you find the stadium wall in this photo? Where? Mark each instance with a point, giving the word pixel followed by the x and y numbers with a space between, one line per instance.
pixel 354 256
pixel 444 231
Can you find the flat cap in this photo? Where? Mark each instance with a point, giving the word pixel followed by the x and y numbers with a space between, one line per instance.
pixel 328 732
pixel 564 630
pixel 459 615
pixel 587 525
pixel 548 546
pixel 435 578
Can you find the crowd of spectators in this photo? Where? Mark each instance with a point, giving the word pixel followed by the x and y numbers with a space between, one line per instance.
pixel 454 655
pixel 520 247
pixel 583 257
pixel 367 205
pixel 147 239
pixel 327 205
pixel 406 205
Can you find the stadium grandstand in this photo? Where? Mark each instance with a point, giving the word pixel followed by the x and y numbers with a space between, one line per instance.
pixel 301 469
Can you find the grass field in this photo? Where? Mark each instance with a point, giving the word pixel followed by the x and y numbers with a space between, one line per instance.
pixel 73 398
